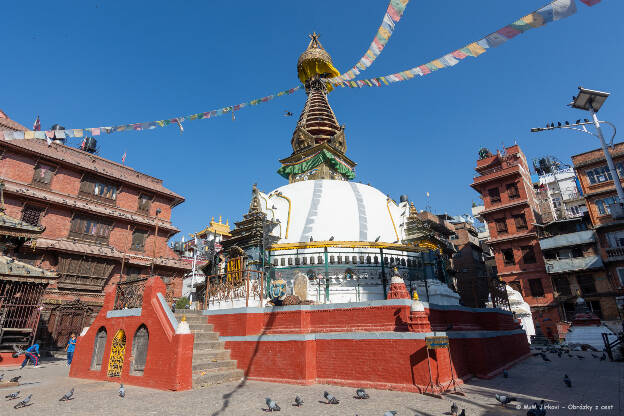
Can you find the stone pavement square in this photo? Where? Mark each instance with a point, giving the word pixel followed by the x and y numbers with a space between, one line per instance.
pixel 594 383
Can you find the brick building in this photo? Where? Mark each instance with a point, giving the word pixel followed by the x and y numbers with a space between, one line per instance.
pixel 511 212
pixel 607 219
pixel 103 222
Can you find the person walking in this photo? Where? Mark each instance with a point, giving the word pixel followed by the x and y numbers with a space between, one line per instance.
pixel 71 346
pixel 31 354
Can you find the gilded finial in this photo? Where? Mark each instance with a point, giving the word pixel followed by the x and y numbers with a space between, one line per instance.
pixel 219 219
pixel 183 318
pixel 415 296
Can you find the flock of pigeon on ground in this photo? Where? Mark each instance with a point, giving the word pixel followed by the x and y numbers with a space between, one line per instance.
pixel 361 394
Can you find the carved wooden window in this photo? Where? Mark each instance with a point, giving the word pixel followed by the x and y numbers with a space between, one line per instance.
pixel 145 202
pixel 520 221
pixel 494 195
pixel 139 350
pixel 138 240
pixel 99 189
pixel 81 272
pixel 501 225
pixel 32 214
pixel 98 349
pixel 512 191
pixel 133 273
pixel 90 229
pixel 43 174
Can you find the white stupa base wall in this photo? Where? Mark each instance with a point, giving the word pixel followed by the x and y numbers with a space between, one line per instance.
pixel 436 292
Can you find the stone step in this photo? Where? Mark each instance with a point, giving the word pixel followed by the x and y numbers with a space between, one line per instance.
pixel 192 318
pixel 206 336
pixel 216 377
pixel 188 312
pixel 208 346
pixel 209 355
pixel 213 365
pixel 201 327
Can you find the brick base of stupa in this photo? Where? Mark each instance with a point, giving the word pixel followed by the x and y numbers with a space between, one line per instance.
pixel 336 343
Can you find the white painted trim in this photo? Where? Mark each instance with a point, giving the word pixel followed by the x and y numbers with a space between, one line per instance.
pixel 121 313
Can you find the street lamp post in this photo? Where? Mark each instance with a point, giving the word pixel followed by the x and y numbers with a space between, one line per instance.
pixel 591 100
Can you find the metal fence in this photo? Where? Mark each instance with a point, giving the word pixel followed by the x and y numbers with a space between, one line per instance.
pixel 239 284
pixel 20 309
pixel 129 294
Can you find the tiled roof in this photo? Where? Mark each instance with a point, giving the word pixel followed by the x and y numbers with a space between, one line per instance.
pixel 7 124
pixel 110 252
pixel 19 188
pixel 13 226
pixel 12 268
pixel 93 163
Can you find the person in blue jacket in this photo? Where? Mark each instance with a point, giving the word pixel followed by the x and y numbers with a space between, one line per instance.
pixel 71 346
pixel 31 354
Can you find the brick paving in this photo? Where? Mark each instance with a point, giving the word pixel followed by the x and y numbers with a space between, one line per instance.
pixel 595 383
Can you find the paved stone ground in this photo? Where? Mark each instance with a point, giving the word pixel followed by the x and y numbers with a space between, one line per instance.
pixel 595 383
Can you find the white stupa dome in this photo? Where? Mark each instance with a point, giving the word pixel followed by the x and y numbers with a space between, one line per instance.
pixel 322 208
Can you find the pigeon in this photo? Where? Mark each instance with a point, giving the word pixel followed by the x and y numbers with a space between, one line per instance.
pixel 463 412
pixel 1 376
pixel 505 374
pixel 594 355
pixel 603 357
pixel 298 401
pixel 273 407
pixel 545 358
pixel 454 409
pixel 361 394
pixel 559 354
pixel 23 403
pixel 288 114
pixel 503 400
pixel 122 391
pixel 567 380
pixel 67 396
pixel 580 357
pixel 390 413
pixel 330 398
pixel 12 395
pixel 15 379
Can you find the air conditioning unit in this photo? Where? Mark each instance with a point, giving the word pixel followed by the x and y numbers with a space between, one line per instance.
pixel 617 211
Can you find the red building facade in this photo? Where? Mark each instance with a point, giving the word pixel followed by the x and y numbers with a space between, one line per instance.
pixel 511 212
pixel 104 222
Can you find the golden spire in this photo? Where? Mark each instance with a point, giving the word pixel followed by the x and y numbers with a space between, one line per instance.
pixel 315 61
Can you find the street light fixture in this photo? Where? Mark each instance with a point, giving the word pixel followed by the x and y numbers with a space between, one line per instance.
pixel 592 101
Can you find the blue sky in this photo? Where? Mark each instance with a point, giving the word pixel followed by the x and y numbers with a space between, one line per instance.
pixel 93 63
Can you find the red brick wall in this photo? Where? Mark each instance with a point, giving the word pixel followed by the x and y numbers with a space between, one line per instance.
pixel 169 355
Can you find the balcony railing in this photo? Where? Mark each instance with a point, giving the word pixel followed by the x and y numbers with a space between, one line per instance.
pixel 495 169
pixel 129 294
pixel 615 252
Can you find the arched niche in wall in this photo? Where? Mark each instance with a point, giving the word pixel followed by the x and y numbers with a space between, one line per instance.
pixel 98 349
pixel 139 350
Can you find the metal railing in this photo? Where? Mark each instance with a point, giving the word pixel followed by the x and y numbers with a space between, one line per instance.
pixel 20 309
pixel 247 283
pixel 615 252
pixel 129 294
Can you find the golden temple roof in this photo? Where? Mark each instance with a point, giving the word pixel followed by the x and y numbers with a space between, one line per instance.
pixel 215 227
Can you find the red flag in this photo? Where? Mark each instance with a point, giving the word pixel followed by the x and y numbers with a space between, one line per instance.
pixel 123 158
pixel 37 125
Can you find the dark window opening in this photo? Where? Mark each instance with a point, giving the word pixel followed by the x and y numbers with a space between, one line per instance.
pixel 90 229
pixel 501 225
pixel 508 256
pixel 494 195
pixel 537 290
pixel 586 284
pixel 145 202
pixel 528 255
pixel 562 286
pixel 577 252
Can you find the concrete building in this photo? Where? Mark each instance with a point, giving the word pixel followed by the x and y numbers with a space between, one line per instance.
pixel 608 221
pixel 103 222
pixel 511 212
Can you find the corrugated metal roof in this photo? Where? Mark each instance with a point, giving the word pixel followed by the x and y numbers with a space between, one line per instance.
pixel 573 264
pixel 570 239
